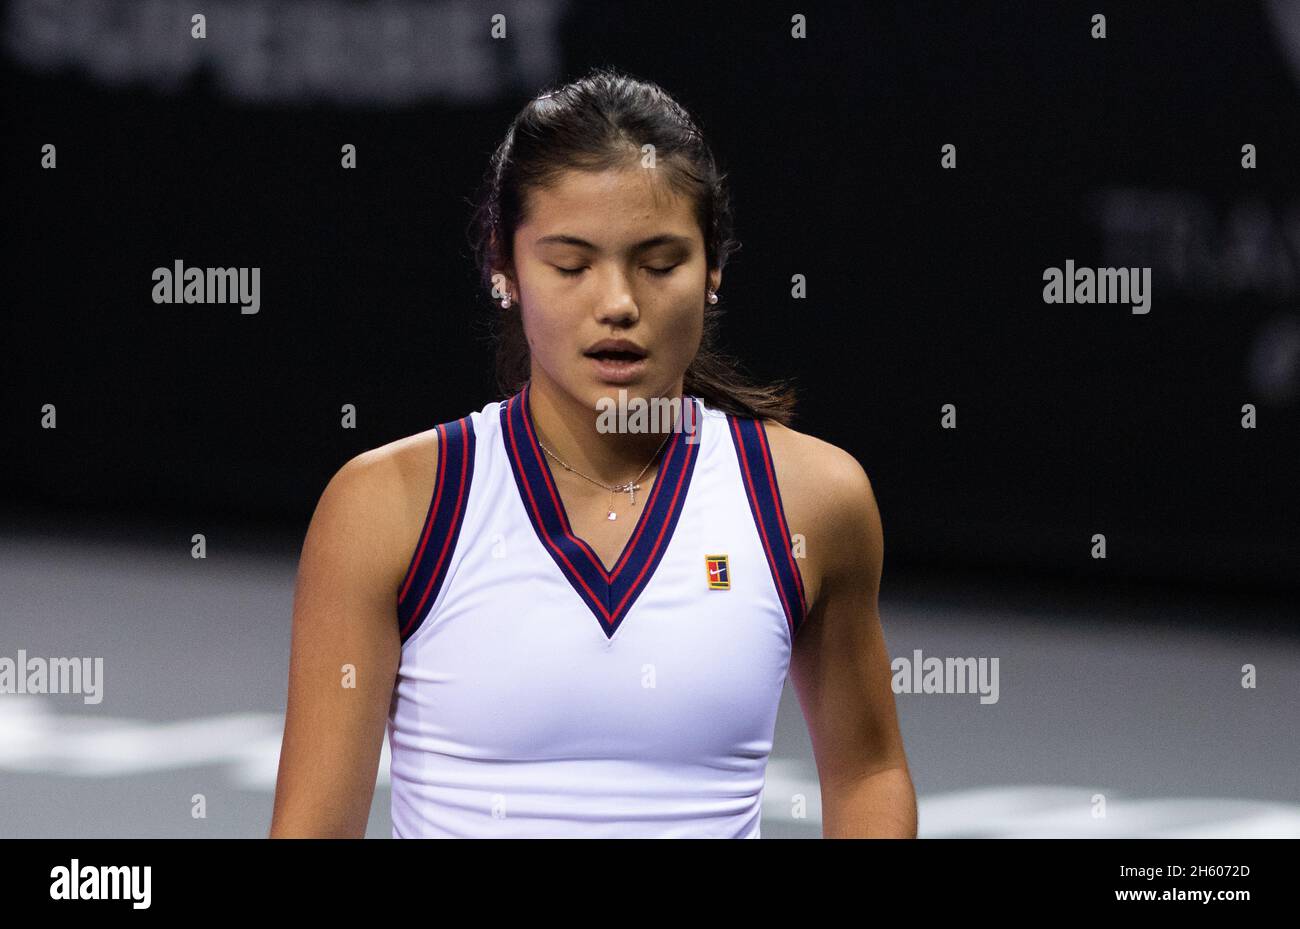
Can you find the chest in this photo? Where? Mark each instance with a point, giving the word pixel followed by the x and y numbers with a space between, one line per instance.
pixel 515 664
pixel 587 510
pixel 558 633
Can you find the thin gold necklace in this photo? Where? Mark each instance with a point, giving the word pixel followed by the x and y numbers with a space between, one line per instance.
pixel 630 488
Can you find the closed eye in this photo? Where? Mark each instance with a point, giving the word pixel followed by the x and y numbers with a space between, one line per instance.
pixel 657 272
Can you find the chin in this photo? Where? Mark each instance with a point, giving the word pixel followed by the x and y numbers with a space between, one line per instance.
pixel 589 389
pixel 600 391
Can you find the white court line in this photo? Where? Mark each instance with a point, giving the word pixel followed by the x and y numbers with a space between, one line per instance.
pixel 36 740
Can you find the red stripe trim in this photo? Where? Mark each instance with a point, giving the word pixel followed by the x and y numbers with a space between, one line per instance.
pixel 555 500
pixel 532 502
pixel 762 530
pixel 564 519
pixel 649 508
pixel 662 529
pixel 455 520
pixel 650 504
pixel 428 520
pixel 780 511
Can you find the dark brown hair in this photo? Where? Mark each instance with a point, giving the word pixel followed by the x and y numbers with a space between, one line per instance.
pixel 596 123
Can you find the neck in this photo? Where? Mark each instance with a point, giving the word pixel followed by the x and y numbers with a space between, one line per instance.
pixel 568 427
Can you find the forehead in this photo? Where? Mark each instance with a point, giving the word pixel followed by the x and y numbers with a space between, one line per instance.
pixel 610 208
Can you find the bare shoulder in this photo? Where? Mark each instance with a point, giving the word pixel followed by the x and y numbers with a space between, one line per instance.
pixel 829 501
pixel 388 490
pixel 411 463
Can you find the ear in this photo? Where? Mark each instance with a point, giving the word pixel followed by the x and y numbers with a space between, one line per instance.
pixel 715 279
pixel 503 282
pixel 503 278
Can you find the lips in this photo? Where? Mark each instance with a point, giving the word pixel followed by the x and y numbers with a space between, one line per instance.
pixel 622 350
pixel 618 362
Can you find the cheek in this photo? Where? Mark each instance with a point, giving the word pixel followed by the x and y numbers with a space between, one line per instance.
pixel 687 311
pixel 681 333
pixel 545 326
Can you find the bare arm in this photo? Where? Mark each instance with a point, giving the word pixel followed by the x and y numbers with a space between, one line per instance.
pixel 840 671
pixel 344 614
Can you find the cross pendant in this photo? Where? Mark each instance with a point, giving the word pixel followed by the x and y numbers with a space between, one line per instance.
pixel 631 489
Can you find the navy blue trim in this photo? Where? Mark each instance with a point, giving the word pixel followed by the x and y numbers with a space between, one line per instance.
pixel 442 524
pixel 758 475
pixel 608 594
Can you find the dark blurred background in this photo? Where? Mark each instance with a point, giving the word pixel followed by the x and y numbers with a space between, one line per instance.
pixel 924 285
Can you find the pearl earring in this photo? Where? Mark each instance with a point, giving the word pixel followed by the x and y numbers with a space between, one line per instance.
pixel 713 296
pixel 505 302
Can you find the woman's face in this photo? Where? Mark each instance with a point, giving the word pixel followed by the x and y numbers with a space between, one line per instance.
pixel 611 255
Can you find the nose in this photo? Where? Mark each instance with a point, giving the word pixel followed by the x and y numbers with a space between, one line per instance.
pixel 616 304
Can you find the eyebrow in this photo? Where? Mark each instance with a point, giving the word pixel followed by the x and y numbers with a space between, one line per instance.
pixel 665 239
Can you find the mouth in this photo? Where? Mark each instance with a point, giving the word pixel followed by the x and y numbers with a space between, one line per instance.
pixel 617 366
pixel 612 355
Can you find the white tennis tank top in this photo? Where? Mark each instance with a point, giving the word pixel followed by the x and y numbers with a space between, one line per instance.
pixel 540 695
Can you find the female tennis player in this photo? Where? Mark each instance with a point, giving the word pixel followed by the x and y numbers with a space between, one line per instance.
pixel 571 618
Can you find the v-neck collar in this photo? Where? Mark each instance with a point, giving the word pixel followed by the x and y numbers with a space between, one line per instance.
pixel 609 594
